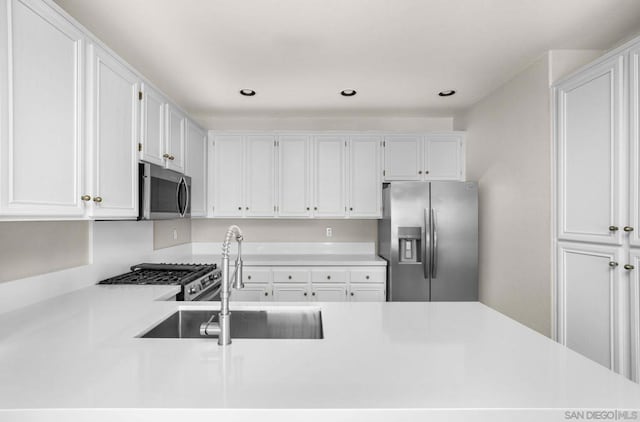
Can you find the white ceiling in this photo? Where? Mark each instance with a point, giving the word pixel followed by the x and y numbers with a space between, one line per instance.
pixel 298 54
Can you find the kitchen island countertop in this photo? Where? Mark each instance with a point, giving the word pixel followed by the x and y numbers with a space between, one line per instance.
pixel 77 357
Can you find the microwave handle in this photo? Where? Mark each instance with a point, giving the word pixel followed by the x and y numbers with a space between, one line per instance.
pixel 182 185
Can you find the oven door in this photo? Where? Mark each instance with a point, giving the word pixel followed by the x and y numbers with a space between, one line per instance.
pixel 210 294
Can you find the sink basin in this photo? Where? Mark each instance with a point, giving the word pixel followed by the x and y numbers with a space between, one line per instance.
pixel 272 323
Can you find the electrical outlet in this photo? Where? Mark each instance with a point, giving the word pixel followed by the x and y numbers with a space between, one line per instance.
pixel 175 234
pixel 329 232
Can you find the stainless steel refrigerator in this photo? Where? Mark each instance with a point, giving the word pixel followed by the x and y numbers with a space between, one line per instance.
pixel 429 236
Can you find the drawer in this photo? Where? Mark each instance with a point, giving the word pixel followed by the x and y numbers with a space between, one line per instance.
pixel 256 274
pixel 369 275
pixel 291 275
pixel 329 275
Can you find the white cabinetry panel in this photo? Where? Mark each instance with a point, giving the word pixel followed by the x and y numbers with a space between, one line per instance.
pixel 260 176
pixel 365 181
pixel 329 176
pixel 290 292
pixel 329 292
pixel 443 157
pixel 367 293
pixel 294 176
pixel 227 181
pixel 589 124
pixel 634 313
pixel 634 146
pixel 153 126
pixel 589 301
pixel 41 94
pixel 195 166
pixel 402 158
pixel 113 137
pixel 252 292
pixel 175 138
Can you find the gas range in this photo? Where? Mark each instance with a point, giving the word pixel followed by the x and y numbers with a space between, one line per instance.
pixel 197 281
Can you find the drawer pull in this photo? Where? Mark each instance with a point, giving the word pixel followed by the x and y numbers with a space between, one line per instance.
pixel 305 293
pixel 367 277
pixel 328 277
pixel 289 277
pixel 313 294
pixel 248 277
pixel 266 293
pixel 352 294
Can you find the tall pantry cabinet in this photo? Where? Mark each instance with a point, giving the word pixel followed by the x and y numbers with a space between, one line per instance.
pixel 597 244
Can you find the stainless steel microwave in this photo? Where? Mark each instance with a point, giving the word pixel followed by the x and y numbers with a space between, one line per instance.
pixel 164 194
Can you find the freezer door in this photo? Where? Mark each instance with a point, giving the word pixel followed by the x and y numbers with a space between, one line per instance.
pixel 408 271
pixel 454 263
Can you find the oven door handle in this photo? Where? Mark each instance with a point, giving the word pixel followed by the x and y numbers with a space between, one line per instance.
pixel 211 293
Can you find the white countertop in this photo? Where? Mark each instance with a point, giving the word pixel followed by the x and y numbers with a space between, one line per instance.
pixel 77 357
pixel 289 260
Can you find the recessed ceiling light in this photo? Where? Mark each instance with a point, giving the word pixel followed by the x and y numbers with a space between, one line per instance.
pixel 447 93
pixel 247 92
pixel 348 92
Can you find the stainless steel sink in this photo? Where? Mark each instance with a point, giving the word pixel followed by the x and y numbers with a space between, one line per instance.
pixel 272 323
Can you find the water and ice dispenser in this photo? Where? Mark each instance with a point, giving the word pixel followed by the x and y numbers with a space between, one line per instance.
pixel 409 240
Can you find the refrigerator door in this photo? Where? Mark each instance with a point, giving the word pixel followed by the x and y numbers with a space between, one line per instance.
pixel 408 271
pixel 454 232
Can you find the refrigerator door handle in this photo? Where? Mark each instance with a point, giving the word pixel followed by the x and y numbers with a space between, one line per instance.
pixel 434 250
pixel 426 245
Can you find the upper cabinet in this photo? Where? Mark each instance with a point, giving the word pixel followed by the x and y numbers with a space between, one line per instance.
pixel 174 143
pixel 259 176
pixel 589 125
pixel 329 199
pixel 152 134
pixel 228 175
pixel 195 166
pixel 438 156
pixel 42 112
pixel 294 176
pixel 365 178
pixel 113 122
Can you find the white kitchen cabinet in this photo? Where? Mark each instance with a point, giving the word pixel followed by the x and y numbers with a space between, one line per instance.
pixel 228 168
pixel 290 292
pixel 589 126
pixel 153 118
pixel 367 293
pixel 590 300
pixel 329 275
pixel 329 199
pixel 195 166
pixel 251 292
pixel 291 275
pixel 443 157
pixel 174 148
pixel 294 184
pixel 634 147
pixel 402 157
pixel 328 292
pixel 434 156
pixel 633 273
pixel 113 122
pixel 365 178
pixel 41 112
pixel 259 180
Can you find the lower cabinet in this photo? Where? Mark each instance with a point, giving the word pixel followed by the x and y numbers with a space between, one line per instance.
pixel 313 284
pixel 634 294
pixel 592 302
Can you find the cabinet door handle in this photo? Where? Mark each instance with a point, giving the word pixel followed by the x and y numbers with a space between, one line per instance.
pixel 613 264
pixel 628 267
pixel 366 277
pixel 308 208
pixel 239 208
pixel 171 157
pixel 289 277
pixel 613 228
pixel 352 294
pixel 97 199
pixel 419 171
pixel 248 277
pixel 86 197
pixel 165 156
pixel 315 208
pixel 350 208
pixel 426 172
pixel 328 277
pixel 247 208
pixel 305 293
pixel 628 229
pixel 313 294
pixel 266 293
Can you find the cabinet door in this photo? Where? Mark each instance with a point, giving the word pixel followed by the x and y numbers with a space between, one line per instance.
pixel 589 317
pixel 252 292
pixel 195 166
pixel 175 139
pixel 113 136
pixel 284 292
pixel 41 109
pixel 259 200
pixel 634 303
pixel 589 128
pixel 443 157
pixel 634 135
pixel 367 293
pixel 228 173
pixel 329 180
pixel 402 158
pixel 365 182
pixel 152 135
pixel 294 187
pixel 329 292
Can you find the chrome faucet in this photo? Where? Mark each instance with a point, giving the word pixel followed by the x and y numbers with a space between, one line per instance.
pixel 222 328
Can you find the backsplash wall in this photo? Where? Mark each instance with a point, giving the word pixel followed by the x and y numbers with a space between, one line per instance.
pixel 276 230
